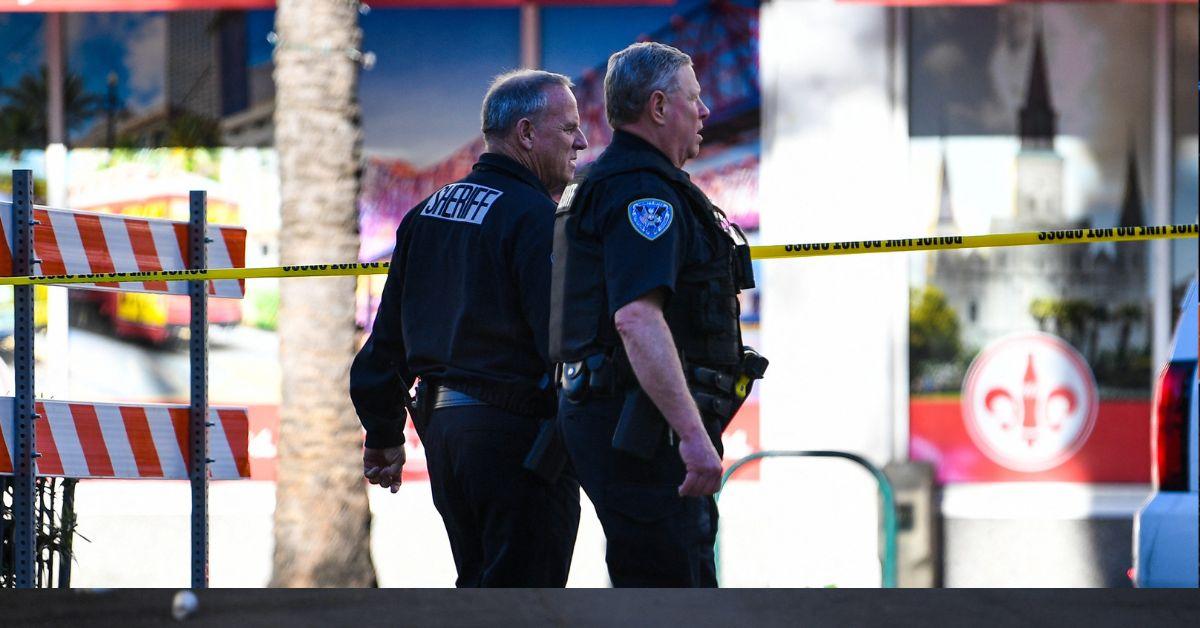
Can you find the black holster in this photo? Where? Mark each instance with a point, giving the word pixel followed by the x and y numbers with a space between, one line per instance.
pixel 598 375
pixel 719 394
pixel 639 428
pixel 548 455
pixel 420 407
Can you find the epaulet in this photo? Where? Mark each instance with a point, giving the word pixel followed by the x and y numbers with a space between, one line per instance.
pixel 568 195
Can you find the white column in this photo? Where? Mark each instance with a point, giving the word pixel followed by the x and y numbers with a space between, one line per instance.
pixel 1162 145
pixel 898 293
pixel 833 168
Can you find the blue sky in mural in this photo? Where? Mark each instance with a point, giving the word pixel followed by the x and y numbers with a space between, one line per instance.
pixel 420 101
pixel 130 44
pixel 20 44
pixel 258 24
pixel 607 30
pixel 451 55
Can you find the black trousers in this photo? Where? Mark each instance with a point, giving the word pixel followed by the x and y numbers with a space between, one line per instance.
pixel 655 537
pixel 507 527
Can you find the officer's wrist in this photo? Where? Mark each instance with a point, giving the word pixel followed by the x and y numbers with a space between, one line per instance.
pixel 692 432
pixel 384 437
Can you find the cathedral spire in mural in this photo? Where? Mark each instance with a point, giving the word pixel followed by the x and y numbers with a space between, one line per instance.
pixel 1039 193
pixel 1131 203
pixel 1038 119
pixel 946 225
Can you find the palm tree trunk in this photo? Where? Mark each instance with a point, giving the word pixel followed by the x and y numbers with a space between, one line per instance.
pixel 322 521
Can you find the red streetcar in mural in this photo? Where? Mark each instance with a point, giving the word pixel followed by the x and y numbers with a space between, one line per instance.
pixel 137 190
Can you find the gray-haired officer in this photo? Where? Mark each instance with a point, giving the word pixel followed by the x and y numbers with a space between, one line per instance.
pixel 465 310
pixel 644 321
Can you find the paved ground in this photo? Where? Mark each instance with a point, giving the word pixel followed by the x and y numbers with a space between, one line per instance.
pixel 243 367
pixel 981 607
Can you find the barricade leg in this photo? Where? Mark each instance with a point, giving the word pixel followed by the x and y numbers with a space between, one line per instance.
pixel 887 505
pixel 67 526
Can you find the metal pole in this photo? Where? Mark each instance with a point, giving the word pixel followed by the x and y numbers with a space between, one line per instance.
pixel 55 120
pixel 198 423
pixel 24 471
pixel 110 121
pixel 887 556
pixel 531 35
pixel 55 367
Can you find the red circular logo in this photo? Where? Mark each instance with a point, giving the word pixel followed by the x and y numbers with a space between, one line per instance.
pixel 1029 401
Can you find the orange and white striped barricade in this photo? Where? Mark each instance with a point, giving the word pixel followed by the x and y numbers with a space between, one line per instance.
pixel 68 242
pixel 129 442
pixel 91 440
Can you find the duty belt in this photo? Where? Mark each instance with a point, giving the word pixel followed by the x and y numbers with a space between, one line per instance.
pixel 447 398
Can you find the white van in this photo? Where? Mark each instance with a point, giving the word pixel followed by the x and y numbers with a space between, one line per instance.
pixel 1165 528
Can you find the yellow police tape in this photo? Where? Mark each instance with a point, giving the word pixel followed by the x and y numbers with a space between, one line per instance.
pixel 776 251
pixel 939 243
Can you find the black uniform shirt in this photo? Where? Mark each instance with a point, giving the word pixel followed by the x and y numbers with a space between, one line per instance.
pixel 466 300
pixel 648 235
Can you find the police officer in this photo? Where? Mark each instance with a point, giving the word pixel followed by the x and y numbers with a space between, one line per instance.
pixel 644 319
pixel 465 311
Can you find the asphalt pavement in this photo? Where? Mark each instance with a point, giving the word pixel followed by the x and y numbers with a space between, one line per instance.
pixel 725 608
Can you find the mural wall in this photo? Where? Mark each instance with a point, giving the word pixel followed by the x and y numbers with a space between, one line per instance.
pixel 1033 363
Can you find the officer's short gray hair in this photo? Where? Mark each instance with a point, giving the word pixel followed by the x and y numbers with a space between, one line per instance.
pixel 515 95
pixel 636 72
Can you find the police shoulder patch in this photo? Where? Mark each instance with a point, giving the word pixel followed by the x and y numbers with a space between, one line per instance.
pixel 650 217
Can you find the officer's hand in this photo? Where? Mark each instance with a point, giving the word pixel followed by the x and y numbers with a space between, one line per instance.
pixel 382 466
pixel 703 466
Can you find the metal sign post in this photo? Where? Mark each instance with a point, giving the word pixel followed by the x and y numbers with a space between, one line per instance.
pixel 198 424
pixel 21 245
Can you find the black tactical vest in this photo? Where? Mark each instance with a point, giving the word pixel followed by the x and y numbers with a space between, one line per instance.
pixel 702 314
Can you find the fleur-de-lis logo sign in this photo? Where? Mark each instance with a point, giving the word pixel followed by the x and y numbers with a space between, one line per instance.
pixel 1029 401
pixel 1036 411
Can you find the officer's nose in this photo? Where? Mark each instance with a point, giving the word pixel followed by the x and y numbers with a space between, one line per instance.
pixel 703 110
pixel 580 141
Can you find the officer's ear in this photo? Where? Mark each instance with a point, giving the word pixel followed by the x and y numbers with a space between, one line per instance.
pixel 524 133
pixel 657 106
